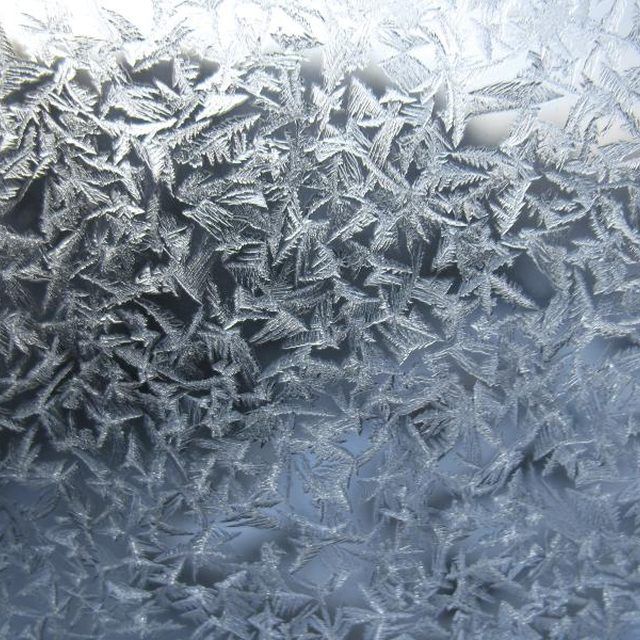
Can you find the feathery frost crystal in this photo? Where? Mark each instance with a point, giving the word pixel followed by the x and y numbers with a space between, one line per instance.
pixel 320 320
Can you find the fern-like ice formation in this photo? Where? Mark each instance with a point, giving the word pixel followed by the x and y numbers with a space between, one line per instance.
pixel 319 320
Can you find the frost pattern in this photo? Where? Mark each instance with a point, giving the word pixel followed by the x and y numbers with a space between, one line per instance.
pixel 325 330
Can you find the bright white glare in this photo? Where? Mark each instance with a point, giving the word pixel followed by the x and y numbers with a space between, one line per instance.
pixel 81 16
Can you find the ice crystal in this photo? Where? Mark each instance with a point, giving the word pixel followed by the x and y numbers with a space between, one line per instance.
pixel 321 320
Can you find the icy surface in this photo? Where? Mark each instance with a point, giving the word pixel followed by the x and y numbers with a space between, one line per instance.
pixel 319 320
